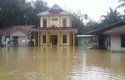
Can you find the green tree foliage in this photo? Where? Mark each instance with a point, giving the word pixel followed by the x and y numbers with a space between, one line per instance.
pixel 77 22
pixel 32 9
pixel 91 25
pixel 122 3
pixel 113 16
pixel 20 12
pixel 11 12
pixel 110 18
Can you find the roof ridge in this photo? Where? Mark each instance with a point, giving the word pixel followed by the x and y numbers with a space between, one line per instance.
pixel 55 7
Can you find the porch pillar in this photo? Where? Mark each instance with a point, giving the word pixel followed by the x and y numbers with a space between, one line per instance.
pixel 47 38
pixel 59 38
pixel 74 39
pixel 34 39
pixel 68 38
pixel 38 38
pixel 60 21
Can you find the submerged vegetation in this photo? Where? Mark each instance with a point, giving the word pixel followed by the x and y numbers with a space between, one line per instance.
pixel 20 12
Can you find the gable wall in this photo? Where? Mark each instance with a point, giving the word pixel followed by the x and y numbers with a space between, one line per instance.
pixel 57 23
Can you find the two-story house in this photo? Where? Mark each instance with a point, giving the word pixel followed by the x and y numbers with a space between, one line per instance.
pixel 55 28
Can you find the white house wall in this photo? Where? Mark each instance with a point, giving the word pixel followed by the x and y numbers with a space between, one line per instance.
pixel 3 40
pixel 22 38
pixel 22 41
pixel 17 33
pixel 116 43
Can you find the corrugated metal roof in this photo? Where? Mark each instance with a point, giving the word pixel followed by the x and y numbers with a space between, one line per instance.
pixel 83 35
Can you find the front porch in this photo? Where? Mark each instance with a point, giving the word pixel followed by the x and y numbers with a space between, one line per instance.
pixel 54 38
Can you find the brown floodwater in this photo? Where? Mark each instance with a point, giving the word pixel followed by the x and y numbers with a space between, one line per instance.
pixel 60 63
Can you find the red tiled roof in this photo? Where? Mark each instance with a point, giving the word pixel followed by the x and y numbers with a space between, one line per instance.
pixel 4 30
pixel 54 29
pixel 24 28
pixel 55 11
pixel 67 28
pixel 117 30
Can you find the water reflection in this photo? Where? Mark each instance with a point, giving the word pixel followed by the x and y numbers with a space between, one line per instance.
pixel 60 63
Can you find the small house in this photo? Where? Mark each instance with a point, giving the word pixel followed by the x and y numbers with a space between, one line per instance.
pixel 111 37
pixel 83 40
pixel 16 35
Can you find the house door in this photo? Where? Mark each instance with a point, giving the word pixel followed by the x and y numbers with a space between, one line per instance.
pixel 101 41
pixel 15 41
pixel 80 42
pixel 54 39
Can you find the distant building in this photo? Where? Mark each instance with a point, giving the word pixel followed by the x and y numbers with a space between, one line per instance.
pixel 55 28
pixel 111 37
pixel 83 40
pixel 16 35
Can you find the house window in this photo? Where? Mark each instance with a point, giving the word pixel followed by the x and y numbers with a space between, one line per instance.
pixel 44 38
pixel 64 38
pixel 54 19
pixel 44 22
pixel 64 22
pixel 122 40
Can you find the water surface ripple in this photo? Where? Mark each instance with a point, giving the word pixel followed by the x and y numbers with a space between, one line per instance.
pixel 60 63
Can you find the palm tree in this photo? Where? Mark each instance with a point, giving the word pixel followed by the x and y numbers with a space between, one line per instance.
pixel 86 18
pixel 122 3
pixel 112 17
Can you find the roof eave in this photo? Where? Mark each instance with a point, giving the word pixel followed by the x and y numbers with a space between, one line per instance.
pixel 102 30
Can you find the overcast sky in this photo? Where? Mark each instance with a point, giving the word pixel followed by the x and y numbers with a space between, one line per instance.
pixel 94 8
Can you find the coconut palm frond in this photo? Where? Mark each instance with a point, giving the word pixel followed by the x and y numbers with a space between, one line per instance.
pixel 121 5
pixel 121 1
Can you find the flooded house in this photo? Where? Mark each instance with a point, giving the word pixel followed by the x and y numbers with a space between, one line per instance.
pixel 111 37
pixel 16 35
pixel 55 28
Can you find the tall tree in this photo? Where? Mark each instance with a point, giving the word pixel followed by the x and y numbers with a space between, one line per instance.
pixel 113 16
pixel 20 12
pixel 77 22
pixel 86 17
pixel 39 6
pixel 11 12
pixel 110 18
pixel 122 3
